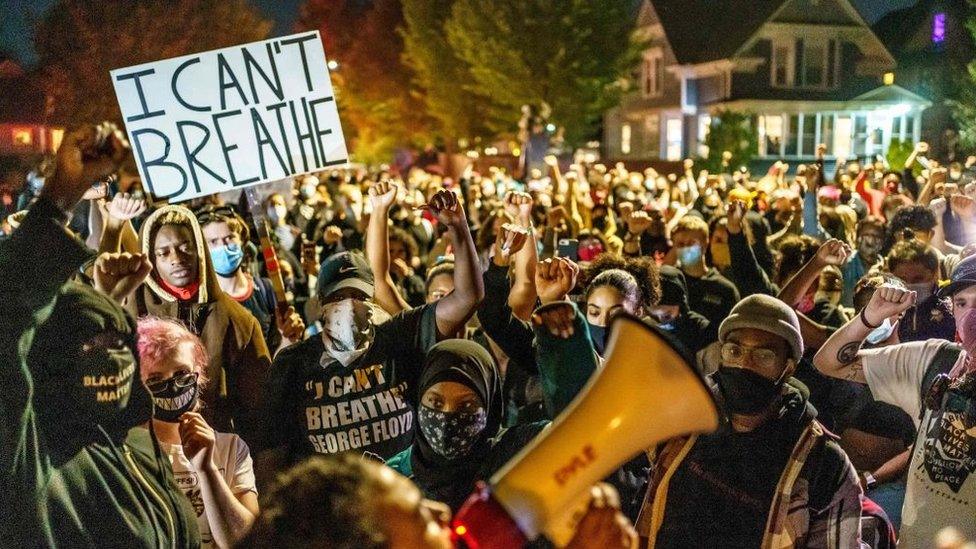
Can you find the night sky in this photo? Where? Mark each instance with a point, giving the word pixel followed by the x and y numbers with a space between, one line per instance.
pixel 16 18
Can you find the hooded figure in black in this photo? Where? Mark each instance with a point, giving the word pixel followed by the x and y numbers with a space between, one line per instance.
pixel 73 472
pixel 453 438
pixel 674 315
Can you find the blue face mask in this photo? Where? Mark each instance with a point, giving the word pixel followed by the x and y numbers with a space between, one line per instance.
pixel 689 255
pixel 226 259
pixel 881 333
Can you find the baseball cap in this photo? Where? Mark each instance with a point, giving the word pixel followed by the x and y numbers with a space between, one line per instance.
pixel 964 275
pixel 344 270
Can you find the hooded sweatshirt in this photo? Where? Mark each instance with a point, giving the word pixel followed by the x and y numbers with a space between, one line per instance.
pixel 73 470
pixel 440 478
pixel 239 358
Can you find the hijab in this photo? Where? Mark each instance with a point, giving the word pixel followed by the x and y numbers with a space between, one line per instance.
pixel 466 362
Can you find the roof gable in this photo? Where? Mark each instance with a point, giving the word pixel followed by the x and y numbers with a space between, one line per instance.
pixel 822 12
pixel 685 20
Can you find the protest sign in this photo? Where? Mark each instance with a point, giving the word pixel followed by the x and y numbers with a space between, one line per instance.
pixel 230 118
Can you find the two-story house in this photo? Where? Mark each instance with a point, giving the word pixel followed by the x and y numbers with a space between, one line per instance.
pixel 807 71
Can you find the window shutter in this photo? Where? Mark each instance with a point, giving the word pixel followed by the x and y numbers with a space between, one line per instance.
pixel 798 63
pixel 831 63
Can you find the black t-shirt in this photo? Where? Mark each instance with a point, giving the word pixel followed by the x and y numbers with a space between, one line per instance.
pixel 317 405
pixel 712 295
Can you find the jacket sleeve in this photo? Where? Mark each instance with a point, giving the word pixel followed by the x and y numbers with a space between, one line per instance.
pixel 512 335
pixel 250 379
pixel 746 273
pixel 34 263
pixel 565 365
pixel 839 525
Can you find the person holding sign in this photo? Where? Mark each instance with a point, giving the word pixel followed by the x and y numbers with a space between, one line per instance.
pixel 226 233
pixel 74 472
pixel 184 286
pixel 354 388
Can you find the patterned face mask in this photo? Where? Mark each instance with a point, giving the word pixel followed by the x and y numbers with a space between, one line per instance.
pixel 451 434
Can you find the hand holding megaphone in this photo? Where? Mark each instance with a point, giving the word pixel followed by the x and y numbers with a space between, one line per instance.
pixel 646 393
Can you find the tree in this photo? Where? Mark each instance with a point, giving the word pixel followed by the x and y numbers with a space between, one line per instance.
pixel 568 54
pixel 964 106
pixel 79 41
pixel 730 131
pixel 440 72
pixel 378 105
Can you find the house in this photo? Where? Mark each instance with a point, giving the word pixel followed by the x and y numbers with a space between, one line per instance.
pixel 932 46
pixel 25 130
pixel 807 71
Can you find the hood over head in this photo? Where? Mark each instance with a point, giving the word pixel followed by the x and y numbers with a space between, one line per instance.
pixel 209 288
pixel 84 363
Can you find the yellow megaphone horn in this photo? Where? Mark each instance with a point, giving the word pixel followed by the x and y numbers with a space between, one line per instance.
pixel 645 393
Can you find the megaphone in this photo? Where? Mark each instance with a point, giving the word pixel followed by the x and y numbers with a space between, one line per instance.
pixel 645 393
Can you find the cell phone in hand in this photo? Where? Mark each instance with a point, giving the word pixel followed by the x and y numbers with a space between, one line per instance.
pixel 568 248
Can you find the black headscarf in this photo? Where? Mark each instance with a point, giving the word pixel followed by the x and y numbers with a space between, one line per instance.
pixel 466 362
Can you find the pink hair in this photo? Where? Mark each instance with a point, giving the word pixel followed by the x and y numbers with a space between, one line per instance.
pixel 159 338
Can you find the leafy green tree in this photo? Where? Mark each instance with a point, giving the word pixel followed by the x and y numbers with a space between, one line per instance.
pixel 79 41
pixel 734 132
pixel 964 103
pixel 568 54
pixel 441 74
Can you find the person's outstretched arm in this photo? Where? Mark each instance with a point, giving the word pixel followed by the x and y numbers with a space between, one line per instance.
pixel 832 252
pixel 454 310
pixel 35 262
pixel 839 357
pixel 522 296
pixel 381 196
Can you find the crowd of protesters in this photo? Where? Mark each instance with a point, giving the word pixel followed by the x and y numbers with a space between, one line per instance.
pixel 159 387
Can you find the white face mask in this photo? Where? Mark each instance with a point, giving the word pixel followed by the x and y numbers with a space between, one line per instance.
pixel 348 328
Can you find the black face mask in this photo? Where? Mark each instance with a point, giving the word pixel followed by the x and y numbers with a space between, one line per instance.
pixel 745 391
pixel 174 397
pixel 598 335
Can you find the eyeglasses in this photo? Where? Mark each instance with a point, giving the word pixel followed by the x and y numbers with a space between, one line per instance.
pixel 179 380
pixel 733 353
pixel 210 213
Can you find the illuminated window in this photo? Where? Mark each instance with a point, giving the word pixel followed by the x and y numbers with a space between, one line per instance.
pixel 704 125
pixel 770 135
pixel 22 137
pixel 56 136
pixel 889 78
pixel 673 134
pixel 842 136
pixel 938 27
pixel 625 139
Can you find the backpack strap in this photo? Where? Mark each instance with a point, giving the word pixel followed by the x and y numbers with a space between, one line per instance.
pixel 945 358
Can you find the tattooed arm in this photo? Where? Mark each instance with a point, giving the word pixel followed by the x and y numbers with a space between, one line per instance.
pixel 839 355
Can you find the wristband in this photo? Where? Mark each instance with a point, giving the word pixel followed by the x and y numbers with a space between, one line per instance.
pixel 864 320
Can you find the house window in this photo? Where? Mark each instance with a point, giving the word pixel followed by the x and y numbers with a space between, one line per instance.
pixel 652 73
pixel 826 132
pixel 625 139
pixel 814 65
pixel 673 131
pixel 704 125
pixel 804 63
pixel 652 135
pixel 770 134
pixel 22 137
pixel 792 136
pixel 782 70
pixel 56 136
pixel 842 136
pixel 808 135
